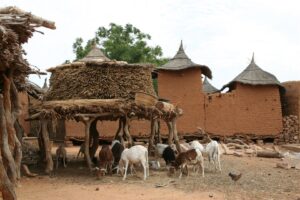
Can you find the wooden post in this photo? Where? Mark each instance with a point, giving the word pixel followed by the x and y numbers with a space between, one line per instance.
pixel 126 131
pixel 151 139
pixel 47 146
pixel 120 132
pixel 176 139
pixel 170 129
pixel 157 131
pixel 94 134
pixel 6 153
pixel 6 185
pixel 87 122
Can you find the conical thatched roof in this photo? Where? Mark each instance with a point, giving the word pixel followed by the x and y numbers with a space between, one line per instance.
pixel 95 55
pixel 182 61
pixel 208 88
pixel 254 75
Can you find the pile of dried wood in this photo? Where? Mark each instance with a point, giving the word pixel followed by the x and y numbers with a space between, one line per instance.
pixel 290 132
pixel 99 80
pixel 240 149
pixel 30 153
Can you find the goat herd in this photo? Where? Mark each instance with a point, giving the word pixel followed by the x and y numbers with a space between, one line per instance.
pixel 117 158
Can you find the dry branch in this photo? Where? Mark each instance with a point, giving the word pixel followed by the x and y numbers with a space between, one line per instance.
pixel 269 154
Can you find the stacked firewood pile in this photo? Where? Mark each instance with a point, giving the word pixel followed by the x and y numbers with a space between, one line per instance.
pixel 30 153
pixel 290 132
pixel 99 80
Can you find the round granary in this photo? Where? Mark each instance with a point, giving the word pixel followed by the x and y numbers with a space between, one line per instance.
pixel 99 80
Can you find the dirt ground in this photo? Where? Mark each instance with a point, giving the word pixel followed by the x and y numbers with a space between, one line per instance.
pixel 260 180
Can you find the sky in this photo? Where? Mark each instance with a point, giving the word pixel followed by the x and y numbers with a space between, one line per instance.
pixel 217 33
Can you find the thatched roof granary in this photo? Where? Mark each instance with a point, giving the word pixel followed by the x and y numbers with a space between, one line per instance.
pixel 208 88
pixel 181 61
pixel 97 77
pixel 254 75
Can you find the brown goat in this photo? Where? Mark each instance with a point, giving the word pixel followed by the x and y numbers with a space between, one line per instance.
pixel 105 161
pixel 193 156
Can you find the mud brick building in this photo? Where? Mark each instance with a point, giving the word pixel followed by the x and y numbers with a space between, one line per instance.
pixel 252 105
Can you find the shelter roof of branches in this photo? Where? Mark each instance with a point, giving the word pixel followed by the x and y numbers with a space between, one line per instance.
pixel 16 27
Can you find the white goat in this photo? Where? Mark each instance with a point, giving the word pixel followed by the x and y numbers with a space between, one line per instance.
pixel 195 144
pixel 213 152
pixel 134 155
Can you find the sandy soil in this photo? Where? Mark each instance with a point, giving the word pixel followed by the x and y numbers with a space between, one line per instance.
pixel 260 180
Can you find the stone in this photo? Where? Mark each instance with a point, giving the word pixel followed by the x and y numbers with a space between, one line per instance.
pixel 283 165
pixel 238 154
pixel 292 147
pixel 249 151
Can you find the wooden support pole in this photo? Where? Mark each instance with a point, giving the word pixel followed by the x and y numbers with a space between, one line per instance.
pixel 151 139
pixel 120 132
pixel 170 129
pixel 6 187
pixel 126 131
pixel 176 139
pixel 87 122
pixel 157 131
pixel 94 136
pixel 4 141
pixel 47 146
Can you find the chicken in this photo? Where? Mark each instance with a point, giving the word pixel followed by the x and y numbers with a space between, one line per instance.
pixel 235 177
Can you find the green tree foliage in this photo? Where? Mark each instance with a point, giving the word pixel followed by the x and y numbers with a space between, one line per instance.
pixel 126 43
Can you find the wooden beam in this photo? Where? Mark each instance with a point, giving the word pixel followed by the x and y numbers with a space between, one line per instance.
pixel 95 115
pixel 35 116
pixel 176 139
pixel 33 19
pixel 126 131
pixel 87 122
pixel 151 138
pixel 170 135
pixel 45 136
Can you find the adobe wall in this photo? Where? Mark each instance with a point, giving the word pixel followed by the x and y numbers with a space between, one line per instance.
pixel 184 88
pixel 24 102
pixel 220 117
pixel 245 110
pixel 107 129
pixel 292 98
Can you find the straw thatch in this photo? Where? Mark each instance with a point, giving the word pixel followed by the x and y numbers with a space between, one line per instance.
pixel 208 88
pixel 181 61
pixel 254 75
pixel 92 78
pixel 34 90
